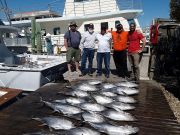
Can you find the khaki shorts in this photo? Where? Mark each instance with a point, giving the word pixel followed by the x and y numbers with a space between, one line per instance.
pixel 73 53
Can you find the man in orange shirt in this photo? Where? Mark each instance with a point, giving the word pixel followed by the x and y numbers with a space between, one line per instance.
pixel 120 38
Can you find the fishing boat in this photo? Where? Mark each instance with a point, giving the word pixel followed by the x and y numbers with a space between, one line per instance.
pixel 106 13
pixel 27 72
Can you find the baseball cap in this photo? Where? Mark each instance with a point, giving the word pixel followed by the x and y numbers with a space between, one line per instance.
pixel 119 26
pixel 91 25
pixel 73 23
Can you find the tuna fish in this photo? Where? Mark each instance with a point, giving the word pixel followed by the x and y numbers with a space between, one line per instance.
pixel 75 93
pixel 91 117
pixel 127 90
pixel 71 100
pixel 126 99
pixel 82 131
pixel 118 115
pixel 63 108
pixel 108 86
pixel 41 133
pixel 115 130
pixel 94 82
pixel 102 99
pixel 108 94
pixel 86 87
pixel 92 107
pixel 56 123
pixel 120 106
pixel 127 84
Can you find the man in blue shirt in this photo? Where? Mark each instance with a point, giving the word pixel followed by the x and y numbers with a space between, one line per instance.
pixel 72 40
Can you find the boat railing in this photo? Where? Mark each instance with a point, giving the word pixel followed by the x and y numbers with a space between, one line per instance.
pixel 99 6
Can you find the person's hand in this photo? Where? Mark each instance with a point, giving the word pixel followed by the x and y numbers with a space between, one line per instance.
pixel 139 51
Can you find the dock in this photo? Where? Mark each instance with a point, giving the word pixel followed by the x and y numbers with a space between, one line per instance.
pixel 153 114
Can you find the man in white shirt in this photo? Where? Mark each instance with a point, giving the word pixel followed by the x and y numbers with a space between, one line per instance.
pixel 103 51
pixel 88 47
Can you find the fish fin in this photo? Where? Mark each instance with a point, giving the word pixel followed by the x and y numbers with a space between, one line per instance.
pixel 41 125
pixel 68 86
pixel 36 118
pixel 124 93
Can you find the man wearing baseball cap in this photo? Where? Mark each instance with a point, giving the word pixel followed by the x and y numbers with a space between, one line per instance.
pixel 120 38
pixel 72 40
pixel 88 48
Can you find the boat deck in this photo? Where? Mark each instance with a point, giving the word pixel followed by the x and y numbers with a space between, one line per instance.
pixel 154 116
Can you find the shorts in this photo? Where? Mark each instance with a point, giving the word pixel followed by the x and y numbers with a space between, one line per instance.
pixel 73 53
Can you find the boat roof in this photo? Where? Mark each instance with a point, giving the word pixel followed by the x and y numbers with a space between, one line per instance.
pixel 128 14
pixel 8 29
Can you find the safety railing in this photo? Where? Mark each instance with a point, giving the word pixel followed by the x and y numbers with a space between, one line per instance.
pixel 99 6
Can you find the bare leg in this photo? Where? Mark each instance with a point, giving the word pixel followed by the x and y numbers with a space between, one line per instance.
pixel 77 66
pixel 69 67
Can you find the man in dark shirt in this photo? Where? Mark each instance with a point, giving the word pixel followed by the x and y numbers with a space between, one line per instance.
pixel 72 40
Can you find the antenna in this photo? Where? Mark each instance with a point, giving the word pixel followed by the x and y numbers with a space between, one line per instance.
pixel 6 10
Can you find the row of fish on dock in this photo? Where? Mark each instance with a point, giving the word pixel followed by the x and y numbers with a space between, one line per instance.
pixel 96 106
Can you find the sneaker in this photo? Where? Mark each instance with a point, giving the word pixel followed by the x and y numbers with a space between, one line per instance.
pixel 82 74
pixel 78 71
pixel 90 74
pixel 98 74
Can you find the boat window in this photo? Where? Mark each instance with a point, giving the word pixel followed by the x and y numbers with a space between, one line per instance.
pixel 131 21
pixel 80 0
pixel 104 24
pixel 57 31
pixel 86 27
pixel 7 35
pixel 116 23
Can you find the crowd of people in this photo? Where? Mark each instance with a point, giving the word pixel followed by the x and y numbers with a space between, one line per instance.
pixel 125 44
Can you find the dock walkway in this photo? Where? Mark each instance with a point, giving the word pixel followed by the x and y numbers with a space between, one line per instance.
pixel 154 116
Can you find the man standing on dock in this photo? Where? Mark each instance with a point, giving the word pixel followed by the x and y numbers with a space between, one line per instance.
pixel 134 49
pixel 72 40
pixel 103 51
pixel 88 48
pixel 119 38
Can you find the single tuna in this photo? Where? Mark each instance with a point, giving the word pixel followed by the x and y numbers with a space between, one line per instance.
pixel 86 87
pixel 126 99
pixel 56 123
pixel 71 100
pixel 102 99
pixel 115 130
pixel 127 84
pixel 92 107
pixel 91 117
pixel 127 90
pixel 108 94
pixel 120 106
pixel 118 115
pixel 108 86
pixel 63 108
pixel 94 82
pixel 82 131
pixel 75 93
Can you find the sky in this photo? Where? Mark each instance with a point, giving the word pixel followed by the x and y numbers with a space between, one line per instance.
pixel 151 8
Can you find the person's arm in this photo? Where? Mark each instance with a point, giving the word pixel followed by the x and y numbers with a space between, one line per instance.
pixel 66 43
pixel 143 45
pixel 66 40
pixel 82 42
